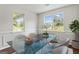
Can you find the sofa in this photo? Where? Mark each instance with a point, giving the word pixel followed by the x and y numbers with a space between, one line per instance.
pixel 39 45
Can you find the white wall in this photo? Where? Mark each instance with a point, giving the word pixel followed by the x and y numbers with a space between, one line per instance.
pixel 6 22
pixel 70 13
pixel 0 40
pixel 30 23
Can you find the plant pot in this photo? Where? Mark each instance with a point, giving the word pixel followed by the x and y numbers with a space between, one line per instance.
pixel 45 35
pixel 77 36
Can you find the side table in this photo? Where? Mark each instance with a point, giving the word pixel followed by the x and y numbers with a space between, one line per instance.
pixel 7 51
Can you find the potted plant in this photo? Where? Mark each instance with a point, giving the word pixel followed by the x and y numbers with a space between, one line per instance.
pixel 74 26
pixel 45 33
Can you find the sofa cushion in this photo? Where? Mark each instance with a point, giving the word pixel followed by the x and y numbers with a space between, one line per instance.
pixel 36 37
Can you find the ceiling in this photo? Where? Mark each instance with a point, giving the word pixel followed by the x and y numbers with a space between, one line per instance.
pixel 37 8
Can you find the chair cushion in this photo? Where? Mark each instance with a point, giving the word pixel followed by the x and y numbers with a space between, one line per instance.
pixel 64 42
pixel 60 50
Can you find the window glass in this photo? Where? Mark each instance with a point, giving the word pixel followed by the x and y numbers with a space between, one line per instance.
pixel 54 22
pixel 18 22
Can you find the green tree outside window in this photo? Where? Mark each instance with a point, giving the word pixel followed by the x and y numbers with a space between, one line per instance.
pixel 18 22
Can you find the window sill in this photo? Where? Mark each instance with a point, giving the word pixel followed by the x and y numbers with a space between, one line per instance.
pixel 54 31
pixel 58 31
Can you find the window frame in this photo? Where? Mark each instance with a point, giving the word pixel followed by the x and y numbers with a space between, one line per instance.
pixel 23 24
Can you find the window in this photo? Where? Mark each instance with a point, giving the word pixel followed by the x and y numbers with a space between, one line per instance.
pixel 18 22
pixel 54 22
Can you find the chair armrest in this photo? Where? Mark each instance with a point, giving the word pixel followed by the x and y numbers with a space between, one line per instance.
pixel 75 40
